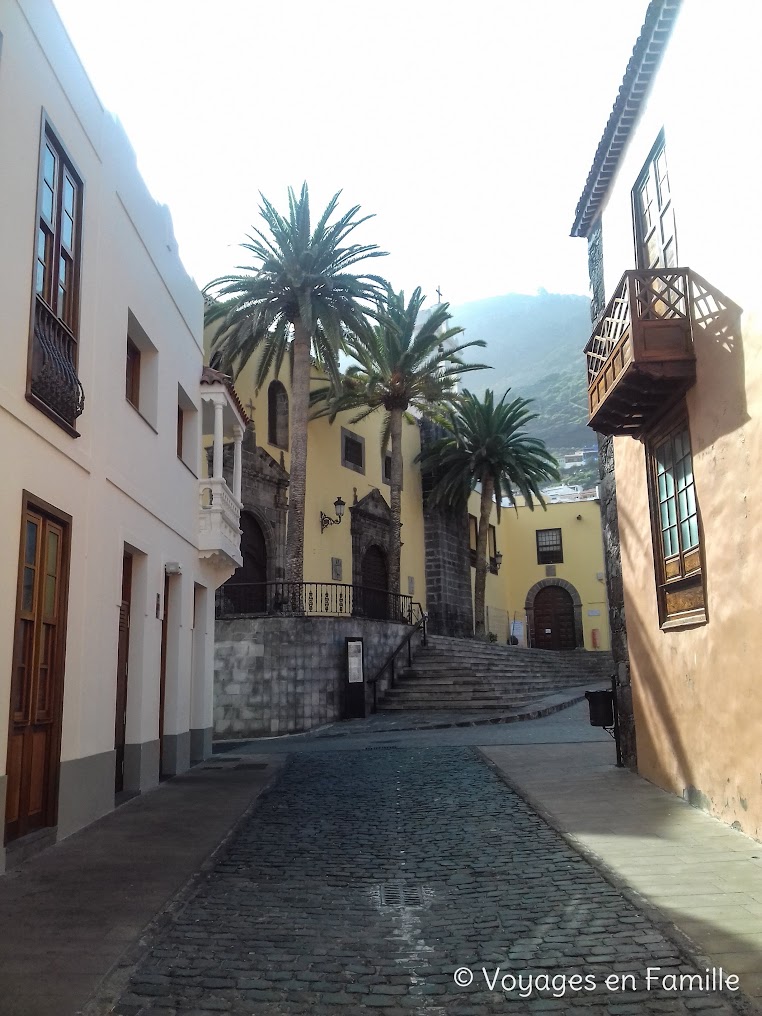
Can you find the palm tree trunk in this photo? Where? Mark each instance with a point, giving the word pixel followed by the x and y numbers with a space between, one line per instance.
pixel 297 489
pixel 480 582
pixel 395 430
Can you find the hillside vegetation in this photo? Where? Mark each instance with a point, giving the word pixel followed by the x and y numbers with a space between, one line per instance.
pixel 535 344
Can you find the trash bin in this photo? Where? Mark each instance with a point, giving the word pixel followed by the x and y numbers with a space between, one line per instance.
pixel 601 705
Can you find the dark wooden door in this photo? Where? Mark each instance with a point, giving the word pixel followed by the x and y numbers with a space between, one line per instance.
pixel 34 734
pixel 375 582
pixel 246 592
pixel 554 619
pixel 163 671
pixel 122 657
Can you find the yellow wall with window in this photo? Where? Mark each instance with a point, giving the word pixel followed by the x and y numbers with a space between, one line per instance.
pixel 582 565
pixel 328 479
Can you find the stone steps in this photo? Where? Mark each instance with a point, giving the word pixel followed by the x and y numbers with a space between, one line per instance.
pixel 463 674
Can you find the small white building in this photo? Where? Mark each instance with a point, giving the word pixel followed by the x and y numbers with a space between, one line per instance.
pixel 113 542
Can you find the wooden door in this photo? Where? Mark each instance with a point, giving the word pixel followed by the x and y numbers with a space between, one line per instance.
pixel 34 735
pixel 375 582
pixel 554 619
pixel 245 592
pixel 122 657
pixel 163 671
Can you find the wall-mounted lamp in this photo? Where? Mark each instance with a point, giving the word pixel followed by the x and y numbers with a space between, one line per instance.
pixel 173 568
pixel 326 521
pixel 498 560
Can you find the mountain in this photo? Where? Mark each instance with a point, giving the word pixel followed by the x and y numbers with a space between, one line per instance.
pixel 535 345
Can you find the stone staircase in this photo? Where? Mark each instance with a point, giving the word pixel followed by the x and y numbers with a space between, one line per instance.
pixel 454 674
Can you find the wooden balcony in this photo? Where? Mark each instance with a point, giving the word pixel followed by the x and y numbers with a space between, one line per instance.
pixel 641 358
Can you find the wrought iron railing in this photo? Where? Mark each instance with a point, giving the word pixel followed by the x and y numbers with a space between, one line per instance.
pixel 326 599
pixel 54 378
pixel 406 642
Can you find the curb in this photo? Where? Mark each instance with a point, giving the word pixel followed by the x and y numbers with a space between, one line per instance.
pixel 741 1002
pixel 529 714
pixel 114 982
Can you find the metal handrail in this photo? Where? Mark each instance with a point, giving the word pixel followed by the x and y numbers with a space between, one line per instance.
pixel 406 641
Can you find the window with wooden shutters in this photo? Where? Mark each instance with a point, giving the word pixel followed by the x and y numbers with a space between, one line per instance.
pixel 678 554
pixel 53 384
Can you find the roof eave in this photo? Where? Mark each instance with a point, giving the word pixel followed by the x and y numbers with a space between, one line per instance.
pixel 636 84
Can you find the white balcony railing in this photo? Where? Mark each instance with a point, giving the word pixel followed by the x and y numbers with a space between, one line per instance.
pixel 219 523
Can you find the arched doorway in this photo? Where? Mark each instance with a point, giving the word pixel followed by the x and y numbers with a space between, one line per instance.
pixel 375 582
pixel 554 622
pixel 246 591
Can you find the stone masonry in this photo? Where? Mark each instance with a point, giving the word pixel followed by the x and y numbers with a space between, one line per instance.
pixel 448 567
pixel 278 675
pixel 405 882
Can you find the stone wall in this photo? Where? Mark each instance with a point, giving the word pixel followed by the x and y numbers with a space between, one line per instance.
pixel 448 566
pixel 278 675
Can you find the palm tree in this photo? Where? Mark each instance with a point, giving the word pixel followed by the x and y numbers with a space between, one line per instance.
pixel 485 444
pixel 298 291
pixel 401 364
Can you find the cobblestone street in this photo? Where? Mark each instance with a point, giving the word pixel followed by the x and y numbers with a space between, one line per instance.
pixel 302 912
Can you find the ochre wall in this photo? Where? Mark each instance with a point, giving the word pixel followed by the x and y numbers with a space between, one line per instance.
pixel 328 479
pixel 519 571
pixel 696 691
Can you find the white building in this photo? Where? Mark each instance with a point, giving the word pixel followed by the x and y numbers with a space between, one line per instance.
pixel 112 543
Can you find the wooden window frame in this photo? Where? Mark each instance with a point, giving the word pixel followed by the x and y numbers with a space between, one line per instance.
pixel 473 538
pixel 274 389
pixel 387 457
pixel 680 578
pixel 44 304
pixel 180 429
pixel 492 549
pixel 352 436
pixel 132 374
pixel 547 555
pixel 649 174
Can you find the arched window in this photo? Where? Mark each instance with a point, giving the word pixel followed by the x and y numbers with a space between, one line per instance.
pixel 277 415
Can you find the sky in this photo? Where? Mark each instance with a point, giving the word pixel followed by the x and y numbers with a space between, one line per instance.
pixel 466 129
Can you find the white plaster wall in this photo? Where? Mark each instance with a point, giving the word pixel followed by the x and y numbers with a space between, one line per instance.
pixel 121 480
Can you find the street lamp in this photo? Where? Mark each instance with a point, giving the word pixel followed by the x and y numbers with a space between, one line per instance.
pixel 326 520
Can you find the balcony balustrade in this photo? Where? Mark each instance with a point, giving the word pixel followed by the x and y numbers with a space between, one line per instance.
pixel 219 523
pixel 641 357
pixel 53 380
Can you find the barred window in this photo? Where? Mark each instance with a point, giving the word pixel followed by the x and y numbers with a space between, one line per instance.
pixel 550 549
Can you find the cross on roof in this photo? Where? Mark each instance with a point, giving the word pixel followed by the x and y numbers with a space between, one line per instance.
pixel 439 295
pixel 250 409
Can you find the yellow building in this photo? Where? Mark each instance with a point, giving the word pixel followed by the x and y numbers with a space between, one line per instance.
pixel 280 650
pixel 675 387
pixel 549 590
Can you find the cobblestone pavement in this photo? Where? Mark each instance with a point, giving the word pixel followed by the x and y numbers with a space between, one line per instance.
pixel 299 915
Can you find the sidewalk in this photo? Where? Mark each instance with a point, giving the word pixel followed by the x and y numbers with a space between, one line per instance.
pixel 68 915
pixel 691 871
pixel 429 719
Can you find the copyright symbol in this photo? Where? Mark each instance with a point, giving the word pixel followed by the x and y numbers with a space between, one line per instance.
pixel 463 977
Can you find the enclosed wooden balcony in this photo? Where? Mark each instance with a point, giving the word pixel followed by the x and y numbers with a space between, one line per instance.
pixel 641 358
